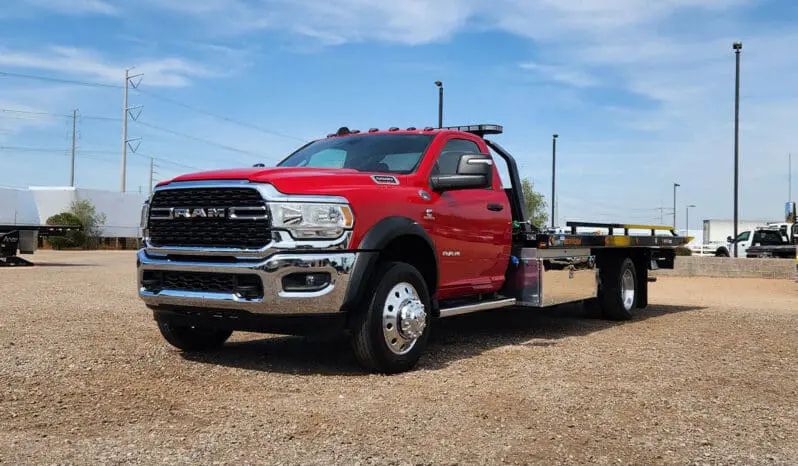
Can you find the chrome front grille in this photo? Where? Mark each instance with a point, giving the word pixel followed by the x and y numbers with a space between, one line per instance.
pixel 218 231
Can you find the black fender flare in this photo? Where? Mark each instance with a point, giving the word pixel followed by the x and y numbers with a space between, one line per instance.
pixel 373 242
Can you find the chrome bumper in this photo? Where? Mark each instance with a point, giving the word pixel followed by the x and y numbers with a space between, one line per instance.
pixel 271 270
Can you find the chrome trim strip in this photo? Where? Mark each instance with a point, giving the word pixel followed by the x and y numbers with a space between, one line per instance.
pixel 271 271
pixel 154 213
pixel 281 242
pixel 263 213
pixel 483 306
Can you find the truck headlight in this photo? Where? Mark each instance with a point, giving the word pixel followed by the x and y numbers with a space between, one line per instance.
pixel 145 213
pixel 312 220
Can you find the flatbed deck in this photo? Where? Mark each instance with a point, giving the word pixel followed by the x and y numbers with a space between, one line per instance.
pixel 599 239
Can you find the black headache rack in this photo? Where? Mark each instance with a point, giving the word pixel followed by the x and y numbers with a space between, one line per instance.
pixel 12 235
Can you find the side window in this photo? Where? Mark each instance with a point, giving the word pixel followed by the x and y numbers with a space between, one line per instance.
pixel 743 236
pixel 771 238
pixel 450 156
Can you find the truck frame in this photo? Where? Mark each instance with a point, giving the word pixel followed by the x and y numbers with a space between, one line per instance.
pixel 387 276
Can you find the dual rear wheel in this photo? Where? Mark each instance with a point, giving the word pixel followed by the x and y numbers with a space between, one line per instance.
pixel 618 293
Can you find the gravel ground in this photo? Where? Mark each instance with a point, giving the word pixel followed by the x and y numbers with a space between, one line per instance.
pixel 706 375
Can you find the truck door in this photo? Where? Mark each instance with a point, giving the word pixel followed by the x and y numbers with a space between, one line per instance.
pixel 743 241
pixel 472 228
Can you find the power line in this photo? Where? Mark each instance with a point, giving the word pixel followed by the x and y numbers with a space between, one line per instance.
pixel 170 161
pixel 58 80
pixel 199 139
pixel 33 149
pixel 221 117
pixel 61 115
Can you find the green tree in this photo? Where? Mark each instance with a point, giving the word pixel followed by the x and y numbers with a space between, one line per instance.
pixel 91 221
pixel 81 213
pixel 535 204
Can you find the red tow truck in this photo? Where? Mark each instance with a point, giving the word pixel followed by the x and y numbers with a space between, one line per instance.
pixel 376 234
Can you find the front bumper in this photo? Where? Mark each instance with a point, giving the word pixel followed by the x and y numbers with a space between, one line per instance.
pixel 275 301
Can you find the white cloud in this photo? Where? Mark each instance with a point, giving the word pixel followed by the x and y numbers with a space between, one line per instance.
pixel 560 74
pixel 74 7
pixel 336 22
pixel 169 71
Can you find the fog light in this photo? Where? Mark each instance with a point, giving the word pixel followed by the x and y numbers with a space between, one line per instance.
pixel 306 281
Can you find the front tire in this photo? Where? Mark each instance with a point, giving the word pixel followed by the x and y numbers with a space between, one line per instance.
pixel 391 331
pixel 193 338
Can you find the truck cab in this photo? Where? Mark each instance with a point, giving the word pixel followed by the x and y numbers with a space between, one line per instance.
pixel 376 234
pixel 757 237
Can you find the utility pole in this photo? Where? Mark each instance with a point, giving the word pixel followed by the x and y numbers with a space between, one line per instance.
pixel 440 103
pixel 72 166
pixel 553 171
pixel 125 112
pixel 736 46
pixel 687 219
pixel 789 177
pixel 150 183
pixel 675 185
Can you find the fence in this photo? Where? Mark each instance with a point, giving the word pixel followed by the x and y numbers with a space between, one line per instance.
pixel 693 266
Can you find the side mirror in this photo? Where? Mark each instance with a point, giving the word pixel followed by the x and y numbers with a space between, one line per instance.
pixel 729 239
pixel 474 171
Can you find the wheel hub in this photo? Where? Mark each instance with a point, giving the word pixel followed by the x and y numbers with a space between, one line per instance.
pixel 404 318
pixel 628 289
pixel 412 319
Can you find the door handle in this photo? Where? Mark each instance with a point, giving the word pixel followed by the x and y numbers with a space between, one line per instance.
pixel 495 207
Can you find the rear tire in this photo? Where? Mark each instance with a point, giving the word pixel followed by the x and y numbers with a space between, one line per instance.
pixel 391 330
pixel 619 289
pixel 193 338
pixel 721 253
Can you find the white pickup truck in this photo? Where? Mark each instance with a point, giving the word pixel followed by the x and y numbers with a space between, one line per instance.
pixel 762 236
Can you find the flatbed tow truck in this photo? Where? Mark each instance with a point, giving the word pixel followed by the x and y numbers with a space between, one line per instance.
pixel 24 238
pixel 376 234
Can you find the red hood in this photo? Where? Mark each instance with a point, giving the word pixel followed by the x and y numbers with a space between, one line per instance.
pixel 290 180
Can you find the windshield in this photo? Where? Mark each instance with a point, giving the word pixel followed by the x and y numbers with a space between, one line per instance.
pixel 384 153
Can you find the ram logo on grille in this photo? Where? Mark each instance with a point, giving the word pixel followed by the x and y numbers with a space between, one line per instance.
pixel 235 213
pixel 213 212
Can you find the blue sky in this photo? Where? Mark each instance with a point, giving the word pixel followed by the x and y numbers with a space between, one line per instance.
pixel 641 92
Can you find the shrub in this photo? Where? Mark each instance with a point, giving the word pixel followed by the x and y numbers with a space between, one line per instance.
pixel 71 239
pixel 683 251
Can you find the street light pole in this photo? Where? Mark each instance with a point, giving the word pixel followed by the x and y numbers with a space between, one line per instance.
pixel 440 103
pixel 675 185
pixel 553 172
pixel 736 46
pixel 687 220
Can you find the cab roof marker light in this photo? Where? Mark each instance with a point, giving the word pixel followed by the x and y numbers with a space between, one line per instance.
pixel 393 128
pixel 412 128
pixel 428 128
pixel 479 130
pixel 373 130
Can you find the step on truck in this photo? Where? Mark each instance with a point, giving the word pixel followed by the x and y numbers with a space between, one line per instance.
pixel 377 235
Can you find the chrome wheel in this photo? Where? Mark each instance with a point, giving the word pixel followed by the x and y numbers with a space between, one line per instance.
pixel 628 289
pixel 404 318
